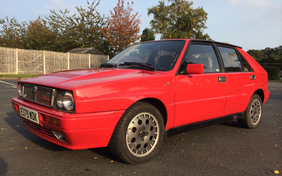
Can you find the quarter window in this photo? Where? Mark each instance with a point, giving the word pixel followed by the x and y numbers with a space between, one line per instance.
pixel 246 66
pixel 203 54
pixel 230 59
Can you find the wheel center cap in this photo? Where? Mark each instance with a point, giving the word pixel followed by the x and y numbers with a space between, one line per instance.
pixel 142 134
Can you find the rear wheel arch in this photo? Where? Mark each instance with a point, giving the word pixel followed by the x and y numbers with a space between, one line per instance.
pixel 260 93
pixel 253 113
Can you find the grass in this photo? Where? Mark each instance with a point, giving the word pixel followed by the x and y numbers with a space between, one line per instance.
pixel 18 76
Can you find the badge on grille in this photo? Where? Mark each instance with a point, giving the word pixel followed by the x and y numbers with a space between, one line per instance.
pixel 34 89
pixel 43 97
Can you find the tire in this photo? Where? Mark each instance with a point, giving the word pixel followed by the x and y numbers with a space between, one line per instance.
pixel 253 113
pixel 138 135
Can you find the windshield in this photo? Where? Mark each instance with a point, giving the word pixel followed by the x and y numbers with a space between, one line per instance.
pixel 162 55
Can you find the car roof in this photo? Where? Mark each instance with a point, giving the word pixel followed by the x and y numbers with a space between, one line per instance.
pixel 197 40
pixel 219 43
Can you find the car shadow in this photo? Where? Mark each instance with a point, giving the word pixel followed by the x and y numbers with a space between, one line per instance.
pixel 17 125
pixel 4 166
pixel 231 123
pixel 105 152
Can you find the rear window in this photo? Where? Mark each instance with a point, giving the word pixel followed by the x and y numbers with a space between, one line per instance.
pixel 230 59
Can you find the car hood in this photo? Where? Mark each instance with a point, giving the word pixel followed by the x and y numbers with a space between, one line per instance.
pixel 79 78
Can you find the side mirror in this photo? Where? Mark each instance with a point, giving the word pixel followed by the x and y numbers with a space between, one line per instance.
pixel 195 69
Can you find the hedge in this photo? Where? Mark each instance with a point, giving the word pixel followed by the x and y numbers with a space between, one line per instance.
pixel 273 72
pixel 279 65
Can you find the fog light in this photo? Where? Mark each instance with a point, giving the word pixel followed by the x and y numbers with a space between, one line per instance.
pixel 53 121
pixel 59 136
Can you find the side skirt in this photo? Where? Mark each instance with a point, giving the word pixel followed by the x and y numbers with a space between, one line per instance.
pixel 197 125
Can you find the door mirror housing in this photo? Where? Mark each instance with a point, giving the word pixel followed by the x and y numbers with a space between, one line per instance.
pixel 195 69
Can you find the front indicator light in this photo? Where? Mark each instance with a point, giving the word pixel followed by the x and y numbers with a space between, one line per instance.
pixel 16 107
pixel 53 121
pixel 68 101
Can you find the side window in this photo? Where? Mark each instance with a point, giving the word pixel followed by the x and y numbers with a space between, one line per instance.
pixel 246 66
pixel 230 59
pixel 203 54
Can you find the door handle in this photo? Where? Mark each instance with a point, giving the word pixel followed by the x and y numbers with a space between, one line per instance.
pixel 253 77
pixel 221 79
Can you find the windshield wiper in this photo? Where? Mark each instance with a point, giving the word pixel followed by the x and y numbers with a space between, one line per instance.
pixel 109 65
pixel 138 64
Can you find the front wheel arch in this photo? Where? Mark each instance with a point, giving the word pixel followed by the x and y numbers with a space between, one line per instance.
pixel 159 105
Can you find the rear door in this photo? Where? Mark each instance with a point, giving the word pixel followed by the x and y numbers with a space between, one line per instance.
pixel 240 80
pixel 200 97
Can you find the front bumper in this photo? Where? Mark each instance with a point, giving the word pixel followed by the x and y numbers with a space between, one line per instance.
pixel 80 131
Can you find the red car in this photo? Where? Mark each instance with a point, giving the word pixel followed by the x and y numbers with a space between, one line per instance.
pixel 143 95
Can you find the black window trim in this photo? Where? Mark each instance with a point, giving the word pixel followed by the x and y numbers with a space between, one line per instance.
pixel 182 59
pixel 202 42
pixel 243 58
pixel 238 54
pixel 217 52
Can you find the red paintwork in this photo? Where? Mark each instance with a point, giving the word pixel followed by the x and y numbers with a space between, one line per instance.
pixel 195 69
pixel 194 105
pixel 102 96
pixel 87 130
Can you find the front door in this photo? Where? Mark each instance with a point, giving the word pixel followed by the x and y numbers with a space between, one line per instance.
pixel 200 97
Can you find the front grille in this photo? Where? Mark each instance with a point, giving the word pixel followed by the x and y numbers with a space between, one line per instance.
pixel 40 129
pixel 28 92
pixel 39 94
pixel 44 96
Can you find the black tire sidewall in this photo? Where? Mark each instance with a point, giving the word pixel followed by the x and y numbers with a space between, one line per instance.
pixel 118 144
pixel 248 117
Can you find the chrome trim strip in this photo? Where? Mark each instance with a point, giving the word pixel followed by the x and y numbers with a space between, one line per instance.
pixel 53 97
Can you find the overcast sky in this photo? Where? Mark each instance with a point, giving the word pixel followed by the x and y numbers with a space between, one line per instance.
pixel 252 24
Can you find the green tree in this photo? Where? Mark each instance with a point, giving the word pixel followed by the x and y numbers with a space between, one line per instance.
pixel 123 27
pixel 267 55
pixel 39 36
pixel 13 33
pixel 178 19
pixel 61 24
pixel 148 35
pixel 256 54
pixel 79 30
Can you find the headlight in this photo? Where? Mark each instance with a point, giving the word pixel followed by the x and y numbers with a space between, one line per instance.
pixel 64 100
pixel 68 101
pixel 60 100
pixel 20 90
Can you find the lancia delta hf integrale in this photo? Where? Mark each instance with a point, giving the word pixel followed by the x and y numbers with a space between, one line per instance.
pixel 145 94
